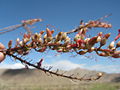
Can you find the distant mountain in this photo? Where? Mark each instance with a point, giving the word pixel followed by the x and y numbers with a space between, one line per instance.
pixel 30 75
pixel 113 77
pixel 33 79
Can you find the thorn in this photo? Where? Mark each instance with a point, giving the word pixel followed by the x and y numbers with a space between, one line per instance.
pixel 26 66
pixel 50 68
pixel 40 62
pixel 57 71
pixel 81 22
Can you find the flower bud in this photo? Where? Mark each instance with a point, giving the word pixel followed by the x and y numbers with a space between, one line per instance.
pixel 111 45
pixel 77 37
pixel 21 43
pixel 67 40
pixel 118 44
pixel 38 35
pixel 106 25
pixel 49 39
pixel 86 40
pixel 49 34
pixel 20 52
pixel 41 32
pixel 107 35
pixel 32 38
pixel 92 41
pixel 17 40
pixel 60 33
pixel 52 31
pixel 91 49
pixel 80 42
pixel 26 36
pixel 2 57
pixel 25 40
pixel 45 36
pixel 117 37
pixel 64 35
pixel 103 54
pixel 98 39
pixel 82 52
pixel 69 46
pixel 116 52
pixel 58 37
pixel 100 74
pixel 2 46
pixel 40 40
pixel 10 44
pixel 100 33
pixel 116 55
pixel 73 45
pixel 59 50
pixel 109 25
pixel 103 41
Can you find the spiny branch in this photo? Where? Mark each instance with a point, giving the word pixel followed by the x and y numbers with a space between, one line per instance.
pixel 56 73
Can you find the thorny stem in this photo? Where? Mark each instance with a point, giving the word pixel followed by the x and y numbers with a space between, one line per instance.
pixel 55 73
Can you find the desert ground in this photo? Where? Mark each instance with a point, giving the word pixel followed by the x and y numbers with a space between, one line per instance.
pixel 33 79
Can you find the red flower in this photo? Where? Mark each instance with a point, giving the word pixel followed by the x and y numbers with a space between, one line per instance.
pixel 73 45
pixel 79 42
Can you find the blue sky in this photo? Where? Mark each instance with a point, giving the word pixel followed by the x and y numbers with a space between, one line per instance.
pixel 64 15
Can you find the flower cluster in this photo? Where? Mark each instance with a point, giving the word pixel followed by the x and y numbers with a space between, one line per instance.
pixel 44 40
pixel 98 24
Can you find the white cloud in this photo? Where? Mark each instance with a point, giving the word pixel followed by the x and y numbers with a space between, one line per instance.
pixel 106 68
pixel 12 66
pixel 67 65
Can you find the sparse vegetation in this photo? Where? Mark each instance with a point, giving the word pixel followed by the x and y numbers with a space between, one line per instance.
pixel 105 86
pixel 84 86
pixel 45 82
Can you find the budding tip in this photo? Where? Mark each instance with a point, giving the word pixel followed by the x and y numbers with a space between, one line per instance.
pixel 100 74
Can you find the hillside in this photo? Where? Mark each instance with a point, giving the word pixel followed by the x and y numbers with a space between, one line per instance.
pixel 32 78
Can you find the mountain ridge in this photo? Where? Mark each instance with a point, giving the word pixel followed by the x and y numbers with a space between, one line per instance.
pixel 11 74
